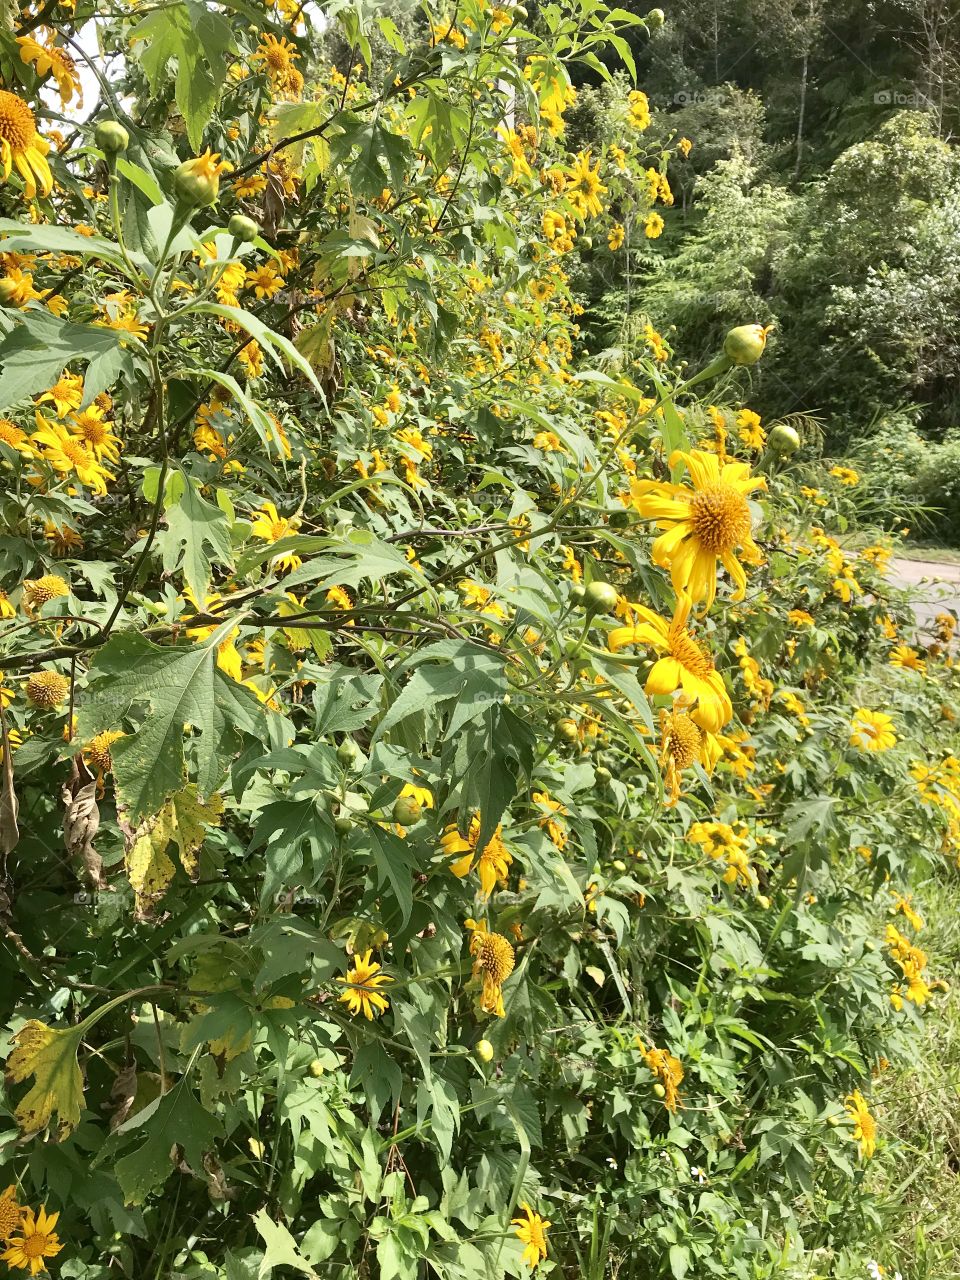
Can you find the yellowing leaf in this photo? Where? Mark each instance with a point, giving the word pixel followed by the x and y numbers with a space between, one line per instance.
pixel 50 1056
pixel 183 820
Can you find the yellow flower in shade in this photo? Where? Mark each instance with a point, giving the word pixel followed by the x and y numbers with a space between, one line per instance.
pixel 37 1240
pixel 864 1125
pixel 11 1213
pixel 271 526
pixel 907 659
pixel 6 608
pixel 684 665
pixel 97 750
pixel 228 657
pixel 90 427
pixel 653 225
pixel 532 1232
pixel 519 164
pixel 37 591
pixel 702 524
pixel 685 146
pixel 682 745
pixel 871 731
pixel 492 863
pixel 668 1071
pixel 493 962
pixel 800 618
pixel 905 905
pixel 63 451
pixel 363 981
pixel 339 598
pixel 51 58
pixel 65 395
pixel 20 286
pixel 584 187
pixel 616 236
pixel 548 442
pixel 548 822
pixel 22 147
pixel 846 475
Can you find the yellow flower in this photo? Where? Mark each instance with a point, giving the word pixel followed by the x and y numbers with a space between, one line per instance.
pixel 668 1071
pixel 37 1240
pixel 492 864
pixel 907 659
pixel 638 110
pixel 584 187
pixel 51 58
pixel 682 745
pixel 800 618
pixel 21 146
pixel 15 437
pixel 271 526
pixel 548 822
pixel 702 524
pixel 228 657
pixel 493 961
pixel 871 731
pixel 653 225
pixel 362 994
pixel 23 290
pixel 548 442
pixel 90 427
pixel 749 429
pixel 97 750
pixel 339 598
pixel 616 236
pixel 65 395
pixel 684 665
pixel 846 475
pixel 277 57
pixel 864 1125
pixel 69 455
pixel 685 146
pixel 520 165
pixel 264 280
pixel 532 1232
pixel 11 1213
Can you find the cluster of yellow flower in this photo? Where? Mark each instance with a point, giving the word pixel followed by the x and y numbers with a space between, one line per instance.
pixel 27 1238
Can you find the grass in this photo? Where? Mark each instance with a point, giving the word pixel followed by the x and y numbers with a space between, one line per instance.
pixel 919 1110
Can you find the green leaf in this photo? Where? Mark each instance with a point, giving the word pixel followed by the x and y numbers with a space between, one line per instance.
pixel 281 1248
pixel 180 685
pixel 18 238
pixel 177 1119
pixel 38 350
pixel 394 862
pixel 50 1056
pixel 268 338
pixel 196 38
pixel 197 535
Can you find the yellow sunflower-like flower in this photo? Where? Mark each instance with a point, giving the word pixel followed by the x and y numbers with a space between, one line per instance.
pixel 493 962
pixel 51 58
pixel 872 730
pixel 584 186
pixel 11 1213
pixel 70 455
pixel 91 427
pixel 21 147
pixel 363 981
pixel 702 524
pixel 271 526
pixel 492 863
pixel 532 1232
pixel 684 665
pixel 668 1071
pixel 682 745
pixel 65 395
pixel 37 1241
pixel 864 1125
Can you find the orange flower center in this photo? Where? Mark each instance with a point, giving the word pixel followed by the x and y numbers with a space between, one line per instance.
pixel 18 127
pixel 76 453
pixel 688 653
pixel 94 431
pixel 34 1246
pixel 720 518
pixel 683 741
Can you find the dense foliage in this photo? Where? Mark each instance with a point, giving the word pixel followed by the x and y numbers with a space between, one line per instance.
pixel 459 795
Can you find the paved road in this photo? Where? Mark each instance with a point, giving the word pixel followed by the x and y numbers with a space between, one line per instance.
pixel 936 586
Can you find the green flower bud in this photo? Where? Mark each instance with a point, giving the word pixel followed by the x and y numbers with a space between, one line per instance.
pixel 197 182
pixel 603 776
pixel 783 440
pixel 655 19
pixel 347 752
pixel 600 597
pixel 343 825
pixel 243 228
pixel 406 811
pixel 566 730
pixel 484 1050
pixel 111 137
pixel 745 344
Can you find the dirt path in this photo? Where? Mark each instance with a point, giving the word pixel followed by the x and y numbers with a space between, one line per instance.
pixel 936 586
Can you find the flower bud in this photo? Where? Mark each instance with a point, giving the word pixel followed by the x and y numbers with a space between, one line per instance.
pixel 484 1050
pixel 600 597
pixel 567 730
pixel 783 439
pixel 8 292
pixel 655 19
pixel 243 228
pixel 197 182
pixel 745 344
pixel 406 811
pixel 347 752
pixel 111 137
pixel 316 1068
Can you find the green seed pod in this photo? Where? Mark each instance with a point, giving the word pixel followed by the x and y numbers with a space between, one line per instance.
pixel 655 19
pixel 577 593
pixel 111 137
pixel 316 1068
pixel 566 730
pixel 484 1050
pixel 347 753
pixel 659 1090
pixel 603 776
pixel 342 825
